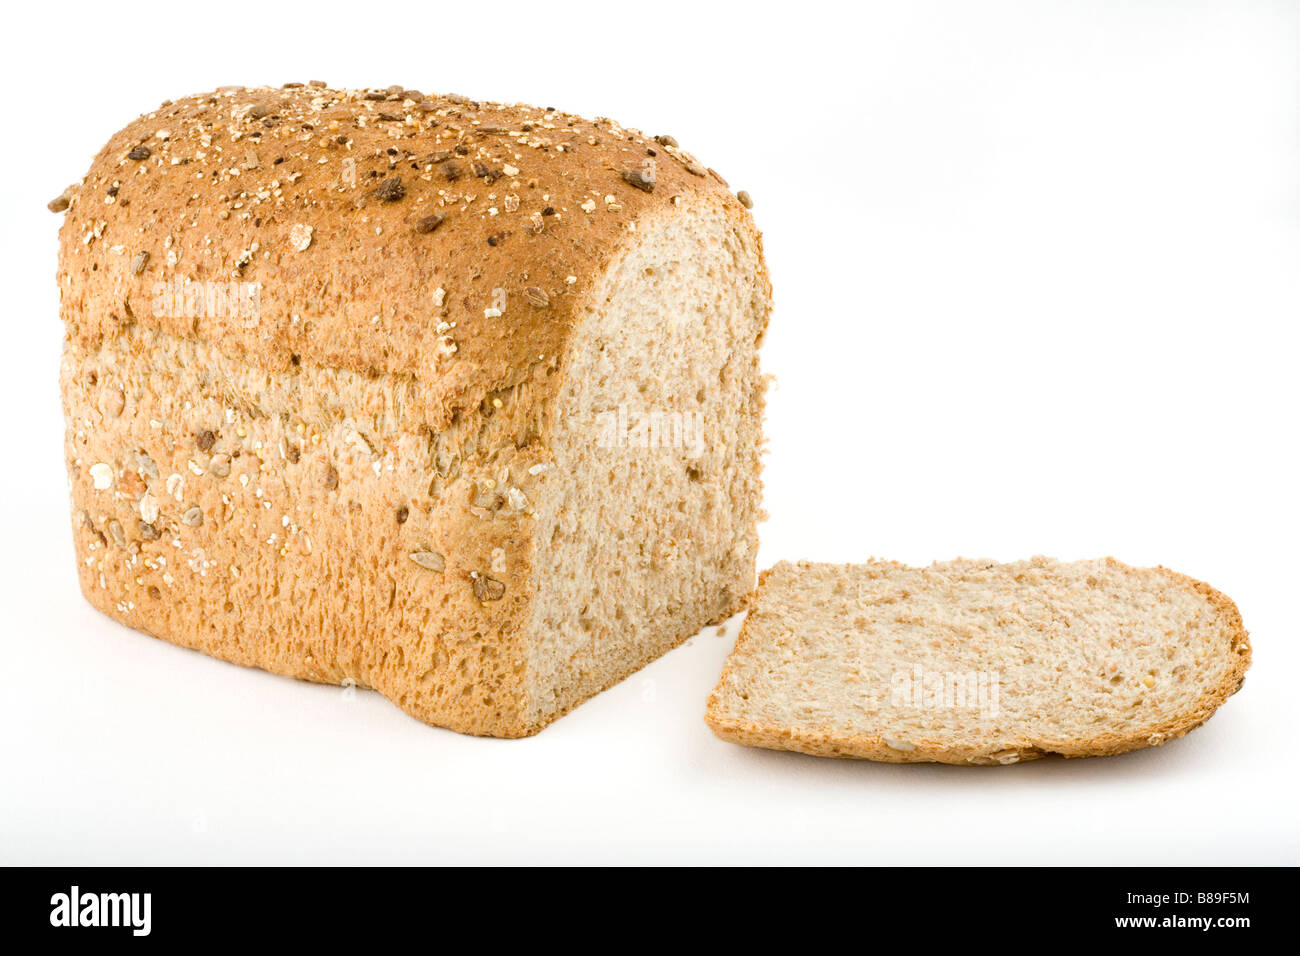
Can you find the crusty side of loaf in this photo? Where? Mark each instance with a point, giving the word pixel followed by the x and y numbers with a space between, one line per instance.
pixel 309 526
pixel 366 481
pixel 1089 658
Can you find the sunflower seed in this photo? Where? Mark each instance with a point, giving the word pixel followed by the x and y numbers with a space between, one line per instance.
pixel 429 560
pixel 427 224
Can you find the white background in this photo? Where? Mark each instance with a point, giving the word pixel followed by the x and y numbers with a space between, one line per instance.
pixel 1037 271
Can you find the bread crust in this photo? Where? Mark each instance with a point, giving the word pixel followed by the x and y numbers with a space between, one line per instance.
pixel 439 310
pixel 293 189
pixel 824 742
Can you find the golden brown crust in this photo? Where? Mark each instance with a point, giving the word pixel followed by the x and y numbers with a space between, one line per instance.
pixel 513 212
pixel 349 209
pixel 826 743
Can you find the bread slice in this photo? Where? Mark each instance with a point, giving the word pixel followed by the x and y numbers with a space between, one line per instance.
pixel 458 401
pixel 973 662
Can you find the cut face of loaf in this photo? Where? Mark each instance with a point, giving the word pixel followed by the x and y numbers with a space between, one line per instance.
pixel 457 401
pixel 971 662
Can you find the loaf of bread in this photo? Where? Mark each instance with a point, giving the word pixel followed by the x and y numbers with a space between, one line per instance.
pixel 972 662
pixel 453 400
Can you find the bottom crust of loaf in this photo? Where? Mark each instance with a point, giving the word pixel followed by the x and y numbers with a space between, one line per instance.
pixel 658 645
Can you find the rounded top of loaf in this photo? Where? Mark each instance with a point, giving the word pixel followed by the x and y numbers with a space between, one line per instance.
pixel 375 231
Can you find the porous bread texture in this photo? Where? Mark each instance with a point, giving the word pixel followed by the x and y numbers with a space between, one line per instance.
pixel 389 475
pixel 655 534
pixel 973 662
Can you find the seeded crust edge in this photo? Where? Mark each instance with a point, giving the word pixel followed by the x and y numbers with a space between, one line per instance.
pixel 357 239
pixel 822 742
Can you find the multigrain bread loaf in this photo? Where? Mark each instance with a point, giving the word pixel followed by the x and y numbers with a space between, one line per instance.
pixel 455 400
pixel 972 662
